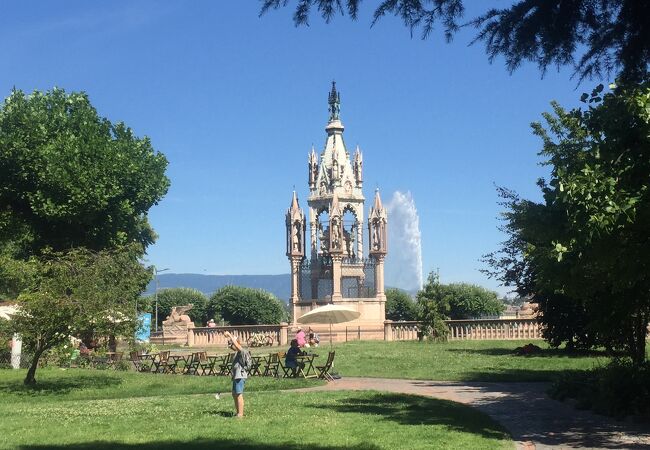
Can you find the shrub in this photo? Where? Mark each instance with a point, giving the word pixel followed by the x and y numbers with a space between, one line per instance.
pixel 245 306
pixel 432 309
pixel 618 389
pixel 400 305
pixel 469 301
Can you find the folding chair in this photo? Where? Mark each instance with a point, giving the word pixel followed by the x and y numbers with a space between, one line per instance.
pixel 114 359
pixel 160 362
pixel 255 367
pixel 192 366
pixel 226 365
pixel 137 361
pixel 206 364
pixel 272 365
pixel 324 371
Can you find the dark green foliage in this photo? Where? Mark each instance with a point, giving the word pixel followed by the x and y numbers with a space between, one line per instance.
pixel 400 305
pixel 79 293
pixel 587 243
pixel 468 301
pixel 168 298
pixel 244 306
pixel 565 320
pixel 71 178
pixel 593 37
pixel 433 307
pixel 619 389
pixel 15 275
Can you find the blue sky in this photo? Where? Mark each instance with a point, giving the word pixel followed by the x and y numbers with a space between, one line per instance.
pixel 235 102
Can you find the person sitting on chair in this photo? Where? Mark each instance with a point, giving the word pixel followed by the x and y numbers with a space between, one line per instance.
pixel 300 337
pixel 290 359
pixel 313 339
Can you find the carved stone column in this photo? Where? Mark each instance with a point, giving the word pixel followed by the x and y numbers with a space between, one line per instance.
pixel 379 276
pixel 295 279
pixel 359 241
pixel 336 277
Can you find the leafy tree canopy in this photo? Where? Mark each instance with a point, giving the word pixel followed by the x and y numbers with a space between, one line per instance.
pixel 168 298
pixel 469 301
pixel 245 306
pixel 400 305
pixel 588 240
pixel 76 293
pixel 594 37
pixel 71 178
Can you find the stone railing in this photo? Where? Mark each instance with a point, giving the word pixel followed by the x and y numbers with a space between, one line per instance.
pixel 480 329
pixel 208 337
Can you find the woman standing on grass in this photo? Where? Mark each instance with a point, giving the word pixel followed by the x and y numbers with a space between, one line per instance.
pixel 239 373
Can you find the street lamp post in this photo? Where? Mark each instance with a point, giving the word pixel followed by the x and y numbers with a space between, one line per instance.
pixel 156 272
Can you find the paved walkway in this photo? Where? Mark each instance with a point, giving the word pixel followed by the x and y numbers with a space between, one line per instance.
pixel 533 419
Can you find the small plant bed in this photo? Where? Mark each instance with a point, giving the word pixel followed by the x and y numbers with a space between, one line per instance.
pixel 74 414
pixel 619 389
pixel 461 360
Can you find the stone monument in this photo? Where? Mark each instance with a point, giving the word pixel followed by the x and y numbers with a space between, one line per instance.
pixel 176 324
pixel 335 271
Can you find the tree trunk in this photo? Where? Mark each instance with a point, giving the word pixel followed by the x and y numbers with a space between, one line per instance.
pixel 640 332
pixel 30 379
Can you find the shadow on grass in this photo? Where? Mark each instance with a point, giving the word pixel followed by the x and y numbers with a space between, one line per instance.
pixel 544 353
pixel 517 375
pixel 59 386
pixel 416 410
pixel 195 445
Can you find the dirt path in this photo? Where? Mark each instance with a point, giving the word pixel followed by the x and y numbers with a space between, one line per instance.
pixel 533 419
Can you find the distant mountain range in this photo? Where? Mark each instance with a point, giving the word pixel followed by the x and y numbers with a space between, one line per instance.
pixel 278 285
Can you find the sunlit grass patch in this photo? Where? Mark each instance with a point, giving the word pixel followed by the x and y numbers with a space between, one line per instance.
pixel 314 420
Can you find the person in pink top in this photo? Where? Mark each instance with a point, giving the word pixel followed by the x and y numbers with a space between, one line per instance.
pixel 301 338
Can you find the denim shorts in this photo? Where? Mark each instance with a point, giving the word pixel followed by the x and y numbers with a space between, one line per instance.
pixel 238 385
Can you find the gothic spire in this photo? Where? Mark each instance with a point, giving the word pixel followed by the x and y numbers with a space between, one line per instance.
pixel 334 101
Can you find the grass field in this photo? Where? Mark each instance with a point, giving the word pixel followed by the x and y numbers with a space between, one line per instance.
pixel 457 361
pixel 78 409
pixel 450 361
pixel 105 409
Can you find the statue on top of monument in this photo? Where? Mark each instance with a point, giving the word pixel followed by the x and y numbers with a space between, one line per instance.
pixel 336 234
pixel 296 237
pixel 376 243
pixel 323 237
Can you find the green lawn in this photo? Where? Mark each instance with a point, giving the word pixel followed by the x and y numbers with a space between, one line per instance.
pixel 106 409
pixel 78 408
pixel 73 384
pixel 456 360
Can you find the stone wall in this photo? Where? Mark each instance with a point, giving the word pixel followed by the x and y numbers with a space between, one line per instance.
pixel 481 329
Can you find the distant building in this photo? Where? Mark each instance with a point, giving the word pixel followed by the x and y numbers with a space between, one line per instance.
pixel 526 311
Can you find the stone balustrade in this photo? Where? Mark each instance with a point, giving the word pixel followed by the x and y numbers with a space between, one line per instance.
pixel 208 337
pixel 480 329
